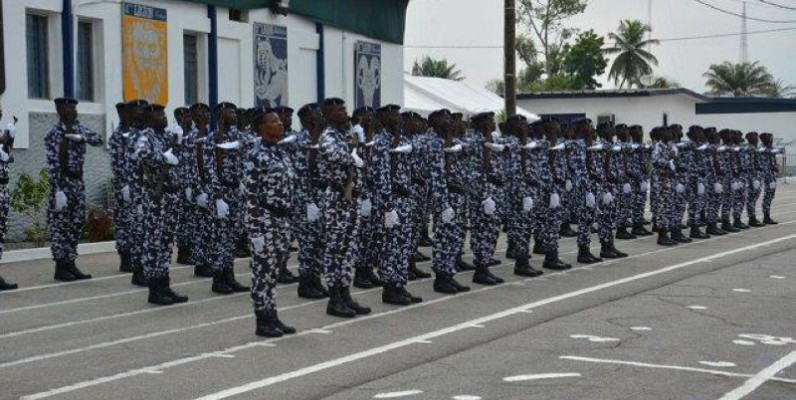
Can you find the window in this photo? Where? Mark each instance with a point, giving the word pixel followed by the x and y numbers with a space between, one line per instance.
pixel 238 15
pixel 190 54
pixel 85 61
pixel 38 56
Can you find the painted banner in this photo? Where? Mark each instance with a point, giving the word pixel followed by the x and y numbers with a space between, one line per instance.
pixel 145 53
pixel 367 74
pixel 270 65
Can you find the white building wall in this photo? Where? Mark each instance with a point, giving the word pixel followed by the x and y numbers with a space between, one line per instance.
pixel 235 49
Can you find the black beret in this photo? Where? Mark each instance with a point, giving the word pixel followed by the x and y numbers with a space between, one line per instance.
pixel 362 110
pixel 306 109
pixel 411 114
pixel 120 105
pixel 439 113
pixel 197 106
pixel 457 115
pixel 581 120
pixel 483 115
pixel 153 107
pixel 333 101
pixel 224 105
pixel 516 118
pixel 389 108
pixel 61 101
pixel 180 111
pixel 283 109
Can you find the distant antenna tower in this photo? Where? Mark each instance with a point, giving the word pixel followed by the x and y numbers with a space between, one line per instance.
pixel 744 39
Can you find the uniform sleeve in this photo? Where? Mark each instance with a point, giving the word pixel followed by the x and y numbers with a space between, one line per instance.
pixel 52 144
pixel 439 187
pixel 382 180
pixel 92 137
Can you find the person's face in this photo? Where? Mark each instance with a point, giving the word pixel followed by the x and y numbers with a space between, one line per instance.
pixel 271 127
pixel 366 118
pixel 200 115
pixel 623 134
pixel 665 135
pixel 767 140
pixel 287 119
pixel 186 119
pixel 712 137
pixel 67 113
pixel 335 114
pixel 753 140
pixel 637 135
pixel 229 116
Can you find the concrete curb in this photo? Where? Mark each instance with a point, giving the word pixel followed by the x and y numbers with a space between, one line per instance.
pixel 42 253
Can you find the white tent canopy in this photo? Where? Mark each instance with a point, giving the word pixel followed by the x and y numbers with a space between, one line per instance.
pixel 424 95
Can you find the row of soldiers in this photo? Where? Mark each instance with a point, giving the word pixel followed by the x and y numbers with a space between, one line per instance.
pixel 357 194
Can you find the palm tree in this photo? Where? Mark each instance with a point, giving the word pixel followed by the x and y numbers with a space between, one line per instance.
pixel 739 80
pixel 780 89
pixel 657 82
pixel 632 60
pixel 428 66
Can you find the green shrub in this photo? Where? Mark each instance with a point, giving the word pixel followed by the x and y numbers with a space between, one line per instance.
pixel 29 196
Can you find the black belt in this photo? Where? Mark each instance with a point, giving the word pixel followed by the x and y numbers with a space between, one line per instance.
pixel 401 191
pixel 456 188
pixel 4 180
pixel 73 174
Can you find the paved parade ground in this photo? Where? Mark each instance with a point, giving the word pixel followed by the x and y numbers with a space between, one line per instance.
pixel 714 319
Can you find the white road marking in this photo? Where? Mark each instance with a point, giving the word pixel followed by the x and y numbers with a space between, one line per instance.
pixel 321 331
pixel 466 397
pixel 308 370
pixel 533 377
pixel 777 277
pixel 695 307
pixel 595 339
pixel 392 395
pixel 768 339
pixel 719 364
pixel 663 366
pixel 743 342
pixel 761 377
pixel 640 328
pixel 741 290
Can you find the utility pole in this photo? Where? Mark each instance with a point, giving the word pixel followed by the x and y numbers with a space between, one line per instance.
pixel 744 39
pixel 510 64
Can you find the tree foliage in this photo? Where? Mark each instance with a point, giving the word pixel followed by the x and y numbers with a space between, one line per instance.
pixel 543 20
pixel 29 196
pixel 431 67
pixel 739 80
pixel 632 61
pixel 585 60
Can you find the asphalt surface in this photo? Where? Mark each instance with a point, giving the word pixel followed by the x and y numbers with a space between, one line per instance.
pixel 714 319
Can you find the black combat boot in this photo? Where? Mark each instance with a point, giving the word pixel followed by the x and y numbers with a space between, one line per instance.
pixel 345 294
pixel 7 285
pixel 523 268
pixel 616 252
pixel 307 289
pixel 316 281
pixel 566 230
pixel 622 233
pixel 337 306
pixel 664 240
pixel 607 251
pixel 286 329
pixel 284 276
pixel 511 252
pixel 728 227
pixel 425 238
pixel 586 257
pixel 738 224
pixel 242 247
pixel 72 269
pixel 390 294
pixel 552 261
pixel 362 279
pixel 124 262
pixel 157 294
pixel 229 278
pixel 267 325
pixel 767 219
pixel 202 270
pixel 420 257
pixel 220 284
pixel 537 248
pixel 371 276
pixel 410 296
pixel 754 223
pixel 417 272
pixel 677 236
pixel 640 230
pixel 696 233
pixel 463 265
pixel 175 297
pixel 493 262
pixel 184 255
pixel 442 284
pixel 138 278
pixel 714 230
pixel 482 276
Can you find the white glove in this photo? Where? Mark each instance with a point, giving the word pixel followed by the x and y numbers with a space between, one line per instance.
pixel 531 145
pixel 772 185
pixel 229 145
pixel 735 186
pixel 11 128
pixel 680 188
pixel 590 200
pixel 454 149
pixel 201 200
pixel 608 198
pixel 357 161
pixel 448 215
pixel 718 188
pixel 489 206
pixel 617 148
pixel 527 204
pixel 365 208
pixel 3 155
pixel 288 140
pixel 496 147
pixel 177 131
pixel 700 188
pixel 258 243
pixel 222 209
pixel 313 212
pixel 703 147
pixel 555 200
pixel 672 166
pixel 60 200
pixel 721 149
pixel 360 132
pixel 407 148
pixel 74 137
pixel 736 148
pixel 188 194
pixel 391 219
pixel 170 158
pixel 558 147
pixel 568 185
pixel 756 184
pixel 644 186
pixel 596 147
pixel 140 210
pixel 626 188
pixel 126 193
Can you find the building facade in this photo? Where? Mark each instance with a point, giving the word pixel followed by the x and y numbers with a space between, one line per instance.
pixel 249 52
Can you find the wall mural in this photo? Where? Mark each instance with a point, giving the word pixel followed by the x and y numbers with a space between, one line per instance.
pixel 367 74
pixel 270 65
pixel 145 53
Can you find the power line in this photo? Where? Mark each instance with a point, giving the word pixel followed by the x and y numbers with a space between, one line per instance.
pixel 674 39
pixel 721 10
pixel 777 5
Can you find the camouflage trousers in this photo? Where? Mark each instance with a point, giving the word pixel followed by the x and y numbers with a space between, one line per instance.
pixel 155 249
pixel 697 203
pixel 225 230
pixel 265 261
pixel 712 203
pixel 639 203
pixel 484 232
pixel 768 193
pixel 340 229
pixel 4 207
pixel 752 195
pixel 397 245
pixel 448 238
pixel 67 225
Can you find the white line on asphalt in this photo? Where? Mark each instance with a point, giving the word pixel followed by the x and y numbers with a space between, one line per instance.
pixel 392 395
pixel 533 377
pixel 719 364
pixel 135 372
pixel 663 366
pixel 455 328
pixel 761 377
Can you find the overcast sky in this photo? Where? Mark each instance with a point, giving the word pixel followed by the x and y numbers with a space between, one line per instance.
pixel 480 23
